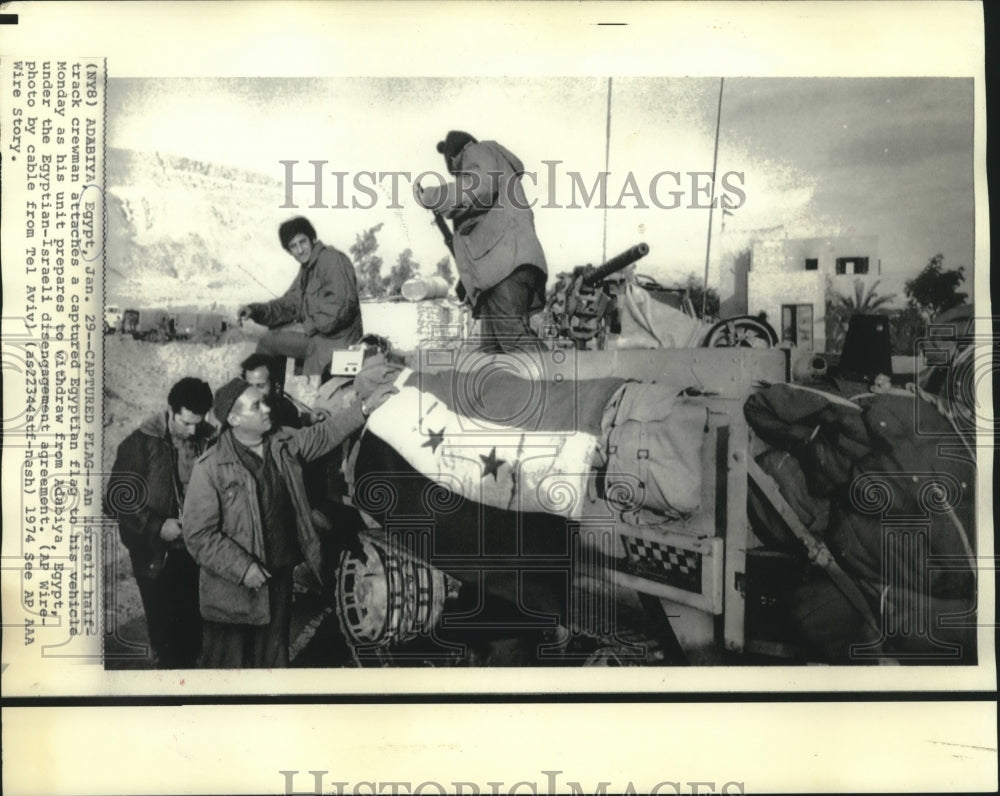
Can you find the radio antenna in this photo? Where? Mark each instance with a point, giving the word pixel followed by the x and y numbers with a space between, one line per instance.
pixel 607 160
pixel 711 204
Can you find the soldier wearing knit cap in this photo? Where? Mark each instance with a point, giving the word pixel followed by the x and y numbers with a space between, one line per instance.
pixel 247 523
pixel 452 146
pixel 225 397
pixel 501 265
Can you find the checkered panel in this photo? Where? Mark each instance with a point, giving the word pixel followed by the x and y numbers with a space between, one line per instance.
pixel 663 563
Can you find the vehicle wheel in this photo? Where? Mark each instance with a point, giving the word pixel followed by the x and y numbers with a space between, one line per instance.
pixel 742 332
pixel 154 336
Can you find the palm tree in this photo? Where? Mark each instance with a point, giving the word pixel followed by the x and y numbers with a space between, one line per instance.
pixel 840 308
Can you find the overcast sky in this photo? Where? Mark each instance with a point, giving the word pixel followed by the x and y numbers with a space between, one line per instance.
pixel 890 157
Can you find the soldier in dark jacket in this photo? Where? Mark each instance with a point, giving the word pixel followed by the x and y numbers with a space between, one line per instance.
pixel 248 523
pixel 146 493
pixel 320 311
pixel 501 265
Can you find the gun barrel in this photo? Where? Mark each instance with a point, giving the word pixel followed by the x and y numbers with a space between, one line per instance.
pixel 615 264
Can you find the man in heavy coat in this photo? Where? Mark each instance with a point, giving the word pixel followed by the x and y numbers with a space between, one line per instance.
pixel 145 492
pixel 248 523
pixel 501 265
pixel 320 311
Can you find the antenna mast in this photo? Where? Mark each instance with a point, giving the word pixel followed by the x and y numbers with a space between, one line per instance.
pixel 711 204
pixel 607 160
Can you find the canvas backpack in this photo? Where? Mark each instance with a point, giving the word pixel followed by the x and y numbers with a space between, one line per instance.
pixel 652 450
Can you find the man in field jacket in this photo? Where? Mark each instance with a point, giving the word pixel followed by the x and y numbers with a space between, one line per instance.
pixel 501 265
pixel 320 311
pixel 247 523
pixel 145 493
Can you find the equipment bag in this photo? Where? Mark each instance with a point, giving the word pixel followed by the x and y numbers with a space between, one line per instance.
pixel 652 450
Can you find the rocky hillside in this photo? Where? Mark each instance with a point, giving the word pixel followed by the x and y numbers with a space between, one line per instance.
pixel 187 234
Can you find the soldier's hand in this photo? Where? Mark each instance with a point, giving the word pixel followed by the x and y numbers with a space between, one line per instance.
pixel 254 577
pixel 317 416
pixel 378 397
pixel 170 530
pixel 245 313
pixel 374 373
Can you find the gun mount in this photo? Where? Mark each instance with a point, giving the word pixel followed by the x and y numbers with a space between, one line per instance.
pixel 595 276
pixel 583 304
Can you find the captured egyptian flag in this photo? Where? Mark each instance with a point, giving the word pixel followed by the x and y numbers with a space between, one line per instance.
pixel 490 477
pixel 498 440
pixel 479 474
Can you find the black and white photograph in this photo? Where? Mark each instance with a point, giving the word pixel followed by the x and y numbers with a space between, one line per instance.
pixel 356 363
pixel 541 393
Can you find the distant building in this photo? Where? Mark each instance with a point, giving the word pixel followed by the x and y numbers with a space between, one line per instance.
pixel 787 279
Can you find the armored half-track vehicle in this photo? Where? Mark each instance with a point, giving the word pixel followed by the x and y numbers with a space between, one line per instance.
pixel 600 504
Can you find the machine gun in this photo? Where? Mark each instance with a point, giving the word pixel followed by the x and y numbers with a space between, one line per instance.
pixel 583 304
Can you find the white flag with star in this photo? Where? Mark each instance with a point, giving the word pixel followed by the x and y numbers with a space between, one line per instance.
pixel 502 466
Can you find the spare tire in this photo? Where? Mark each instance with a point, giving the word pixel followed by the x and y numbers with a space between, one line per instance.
pixel 743 331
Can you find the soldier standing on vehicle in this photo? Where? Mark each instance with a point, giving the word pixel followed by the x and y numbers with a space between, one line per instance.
pixel 320 311
pixel 501 265
pixel 248 523
pixel 145 492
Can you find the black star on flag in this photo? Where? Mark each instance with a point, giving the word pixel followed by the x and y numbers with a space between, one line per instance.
pixel 434 439
pixel 491 464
